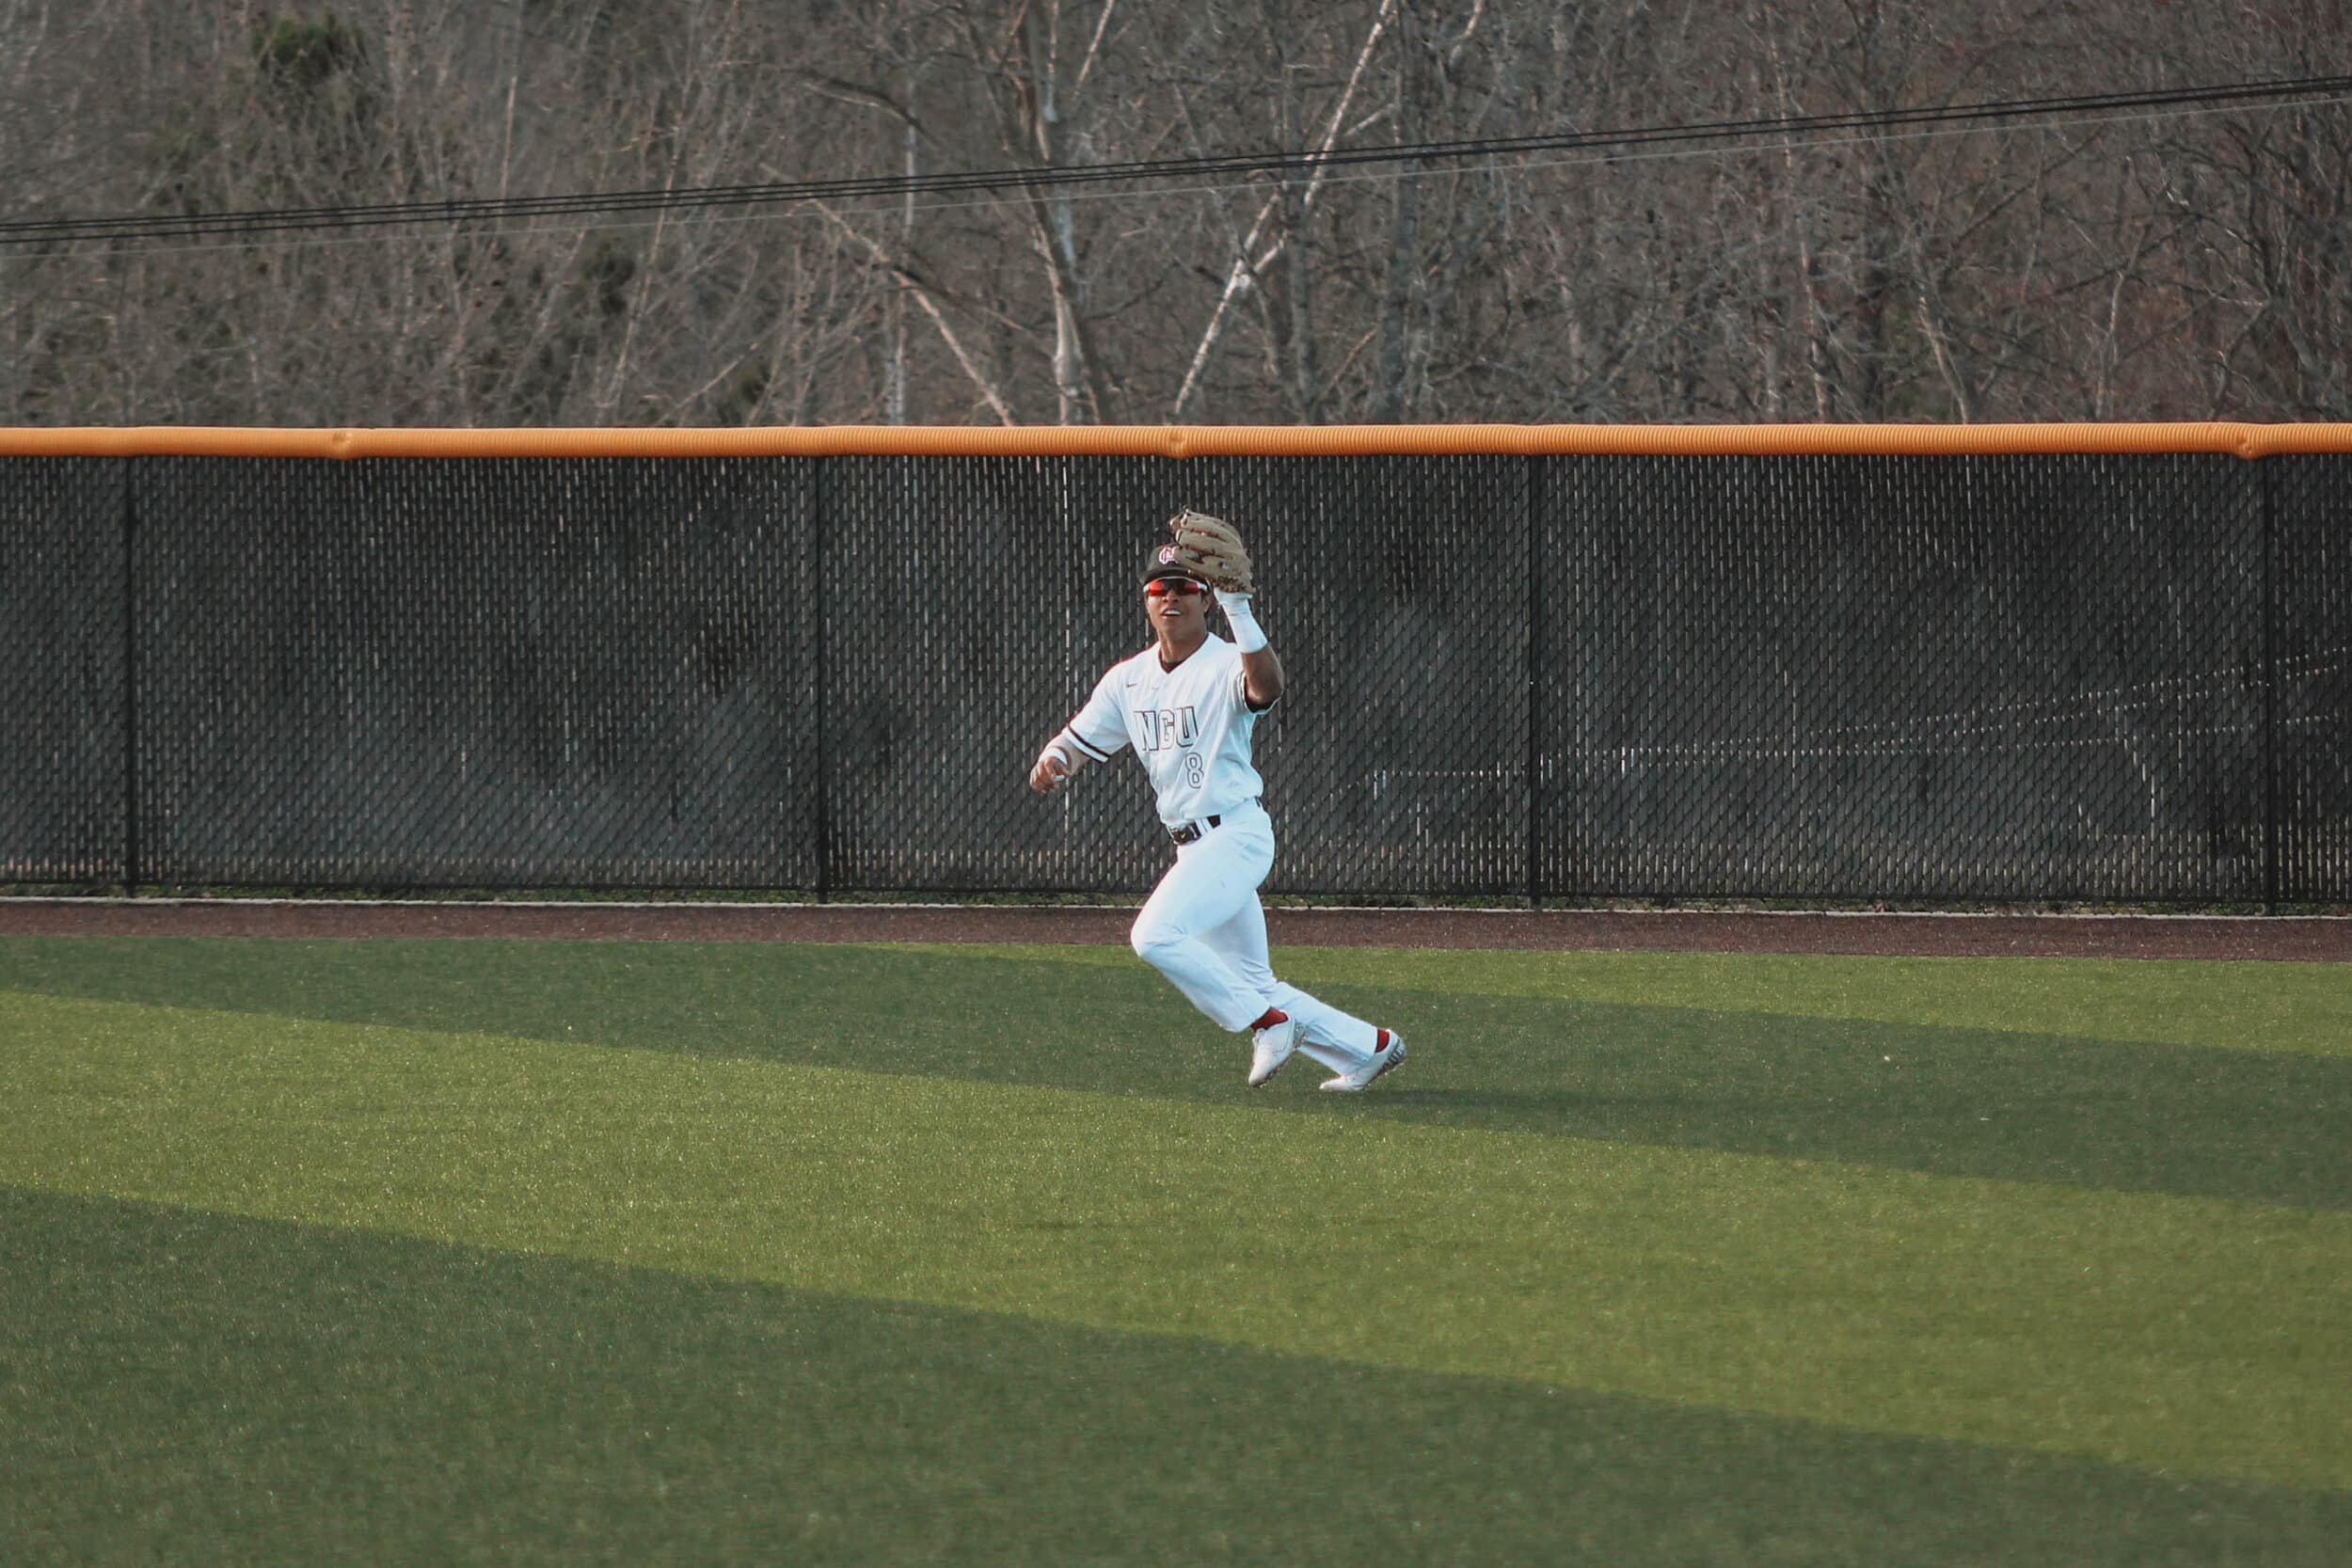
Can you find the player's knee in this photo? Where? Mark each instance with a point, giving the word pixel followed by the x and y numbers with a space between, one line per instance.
pixel 1155 944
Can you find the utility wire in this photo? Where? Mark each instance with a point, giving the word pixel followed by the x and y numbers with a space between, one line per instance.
pixel 1285 164
pixel 893 207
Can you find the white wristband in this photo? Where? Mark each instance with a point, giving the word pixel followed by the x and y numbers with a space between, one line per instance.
pixel 1247 635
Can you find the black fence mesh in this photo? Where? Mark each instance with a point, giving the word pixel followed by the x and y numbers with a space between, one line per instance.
pixel 2310 727
pixel 484 674
pixel 1908 677
pixel 966 598
pixel 1396 594
pixel 64 791
pixel 1834 678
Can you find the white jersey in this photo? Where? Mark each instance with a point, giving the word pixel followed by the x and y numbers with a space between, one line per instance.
pixel 1190 726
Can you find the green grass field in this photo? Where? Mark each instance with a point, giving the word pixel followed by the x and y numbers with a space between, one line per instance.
pixel 417 1252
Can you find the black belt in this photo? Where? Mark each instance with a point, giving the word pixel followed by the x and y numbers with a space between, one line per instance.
pixel 1187 832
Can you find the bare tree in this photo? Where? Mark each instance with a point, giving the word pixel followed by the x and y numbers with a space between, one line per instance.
pixel 2182 267
pixel 1264 241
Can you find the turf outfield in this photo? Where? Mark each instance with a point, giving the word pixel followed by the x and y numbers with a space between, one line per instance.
pixel 718 1252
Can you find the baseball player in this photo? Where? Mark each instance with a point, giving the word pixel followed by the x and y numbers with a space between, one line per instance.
pixel 1186 705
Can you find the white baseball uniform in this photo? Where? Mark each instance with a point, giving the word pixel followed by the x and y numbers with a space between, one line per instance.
pixel 1203 927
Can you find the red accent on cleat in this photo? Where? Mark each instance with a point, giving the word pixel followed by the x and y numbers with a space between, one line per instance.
pixel 1383 1045
pixel 1271 1017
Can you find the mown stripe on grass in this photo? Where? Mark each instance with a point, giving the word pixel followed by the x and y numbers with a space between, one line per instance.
pixel 2190 1334
pixel 2300 1008
pixel 2269 1007
pixel 185 1387
pixel 2256 1126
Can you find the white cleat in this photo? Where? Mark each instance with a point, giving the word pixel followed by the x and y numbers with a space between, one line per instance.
pixel 1387 1053
pixel 1273 1048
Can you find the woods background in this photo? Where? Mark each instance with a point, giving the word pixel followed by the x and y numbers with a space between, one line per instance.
pixel 2175 266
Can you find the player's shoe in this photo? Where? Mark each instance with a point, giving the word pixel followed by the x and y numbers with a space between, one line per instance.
pixel 1389 1052
pixel 1270 1049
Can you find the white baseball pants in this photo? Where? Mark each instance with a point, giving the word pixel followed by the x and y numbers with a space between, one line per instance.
pixel 1204 929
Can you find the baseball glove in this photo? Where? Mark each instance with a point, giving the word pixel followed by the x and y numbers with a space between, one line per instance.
pixel 1210 547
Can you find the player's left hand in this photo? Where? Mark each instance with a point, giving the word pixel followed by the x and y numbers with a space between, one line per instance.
pixel 1212 547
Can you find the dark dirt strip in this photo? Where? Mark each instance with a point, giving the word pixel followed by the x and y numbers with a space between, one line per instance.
pixel 2309 939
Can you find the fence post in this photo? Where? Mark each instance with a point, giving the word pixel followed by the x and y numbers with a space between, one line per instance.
pixel 1538 474
pixel 2267 467
pixel 131 867
pixel 824 697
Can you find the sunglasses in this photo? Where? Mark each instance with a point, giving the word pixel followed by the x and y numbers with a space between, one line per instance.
pixel 1160 587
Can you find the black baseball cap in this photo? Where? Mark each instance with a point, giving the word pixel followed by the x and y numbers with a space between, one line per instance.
pixel 1162 563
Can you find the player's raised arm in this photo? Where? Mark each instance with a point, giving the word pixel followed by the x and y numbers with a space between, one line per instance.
pixel 1261 670
pixel 1212 547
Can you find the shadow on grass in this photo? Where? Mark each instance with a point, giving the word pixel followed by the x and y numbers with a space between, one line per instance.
pixel 184 1388
pixel 2223 1123
pixel 2238 1124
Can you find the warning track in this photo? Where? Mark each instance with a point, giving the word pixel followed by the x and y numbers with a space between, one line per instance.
pixel 2326 939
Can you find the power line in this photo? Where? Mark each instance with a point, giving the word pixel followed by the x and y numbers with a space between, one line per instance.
pixel 232 227
pixel 892 207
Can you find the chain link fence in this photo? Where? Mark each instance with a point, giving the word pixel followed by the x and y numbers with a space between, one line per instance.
pixel 65 657
pixel 520 673
pixel 1911 678
pixel 1815 677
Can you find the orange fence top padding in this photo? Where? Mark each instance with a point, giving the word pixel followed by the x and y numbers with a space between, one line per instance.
pixel 2239 440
